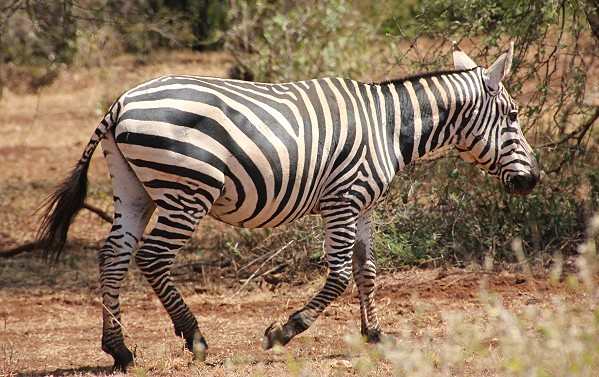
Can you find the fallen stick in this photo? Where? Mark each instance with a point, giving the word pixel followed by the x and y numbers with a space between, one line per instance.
pixel 18 250
pixel 30 246
pixel 98 212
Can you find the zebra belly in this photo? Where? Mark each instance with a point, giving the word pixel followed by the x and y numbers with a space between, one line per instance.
pixel 246 212
pixel 223 213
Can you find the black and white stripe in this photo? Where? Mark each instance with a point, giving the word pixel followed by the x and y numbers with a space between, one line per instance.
pixel 262 155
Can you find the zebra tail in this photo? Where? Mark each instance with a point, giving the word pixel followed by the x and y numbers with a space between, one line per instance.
pixel 59 210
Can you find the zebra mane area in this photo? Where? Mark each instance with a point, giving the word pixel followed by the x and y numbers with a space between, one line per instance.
pixel 419 76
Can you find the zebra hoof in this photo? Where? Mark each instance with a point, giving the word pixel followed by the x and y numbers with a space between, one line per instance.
pixel 198 346
pixel 372 336
pixel 121 364
pixel 122 361
pixel 380 338
pixel 273 335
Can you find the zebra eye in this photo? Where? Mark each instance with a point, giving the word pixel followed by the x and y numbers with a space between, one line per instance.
pixel 513 115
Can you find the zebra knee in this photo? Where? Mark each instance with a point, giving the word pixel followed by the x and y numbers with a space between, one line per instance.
pixel 106 256
pixel 113 265
pixel 337 283
pixel 143 258
pixel 150 261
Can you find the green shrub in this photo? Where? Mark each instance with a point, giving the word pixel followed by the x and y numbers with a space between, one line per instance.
pixel 293 40
pixel 458 216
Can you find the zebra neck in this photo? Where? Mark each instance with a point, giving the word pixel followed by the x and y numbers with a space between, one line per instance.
pixel 424 112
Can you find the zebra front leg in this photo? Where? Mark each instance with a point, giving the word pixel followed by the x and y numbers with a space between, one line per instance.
pixel 364 272
pixel 339 240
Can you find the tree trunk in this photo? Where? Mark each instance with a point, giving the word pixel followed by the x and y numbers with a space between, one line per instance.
pixel 592 14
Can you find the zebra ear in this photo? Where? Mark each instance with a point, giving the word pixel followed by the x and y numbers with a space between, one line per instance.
pixel 461 61
pixel 500 68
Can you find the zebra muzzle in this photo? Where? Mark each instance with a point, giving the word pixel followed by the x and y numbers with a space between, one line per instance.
pixel 522 184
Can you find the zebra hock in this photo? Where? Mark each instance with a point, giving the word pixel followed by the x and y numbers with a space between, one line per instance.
pixel 262 155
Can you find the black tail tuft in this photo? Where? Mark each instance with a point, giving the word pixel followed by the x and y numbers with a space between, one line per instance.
pixel 59 210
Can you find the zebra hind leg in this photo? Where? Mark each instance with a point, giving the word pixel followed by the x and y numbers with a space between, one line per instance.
pixel 339 240
pixel 113 260
pixel 132 210
pixel 173 229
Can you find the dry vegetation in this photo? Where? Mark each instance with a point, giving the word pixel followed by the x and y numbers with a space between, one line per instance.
pixel 448 322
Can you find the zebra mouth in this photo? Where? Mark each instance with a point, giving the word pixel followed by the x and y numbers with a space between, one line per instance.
pixel 522 184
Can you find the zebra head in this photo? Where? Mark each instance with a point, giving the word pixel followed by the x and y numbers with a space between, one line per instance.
pixel 491 137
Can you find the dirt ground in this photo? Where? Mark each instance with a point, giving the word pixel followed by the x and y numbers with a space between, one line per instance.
pixel 50 318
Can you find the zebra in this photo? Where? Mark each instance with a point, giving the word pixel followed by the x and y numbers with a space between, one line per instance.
pixel 262 155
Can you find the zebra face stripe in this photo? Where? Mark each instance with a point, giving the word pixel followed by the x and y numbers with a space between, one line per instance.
pixel 496 144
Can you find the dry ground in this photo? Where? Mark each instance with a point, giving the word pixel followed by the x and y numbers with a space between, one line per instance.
pixel 50 319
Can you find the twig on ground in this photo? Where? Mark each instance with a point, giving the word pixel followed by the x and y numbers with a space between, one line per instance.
pixel 258 270
pixel 30 246
pixel 275 269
